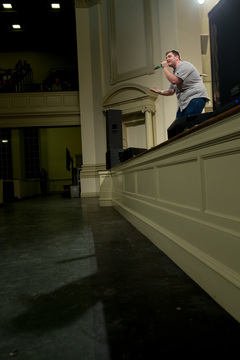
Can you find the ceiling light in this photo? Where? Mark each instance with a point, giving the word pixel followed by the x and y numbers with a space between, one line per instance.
pixel 16 26
pixel 7 6
pixel 55 6
pixel 4 141
pixel 201 2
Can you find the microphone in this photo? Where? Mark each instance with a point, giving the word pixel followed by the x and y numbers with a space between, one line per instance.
pixel 157 67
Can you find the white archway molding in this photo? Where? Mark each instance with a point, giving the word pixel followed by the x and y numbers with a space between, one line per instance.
pixel 134 99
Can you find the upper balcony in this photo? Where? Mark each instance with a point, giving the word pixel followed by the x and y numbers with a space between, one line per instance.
pixel 60 108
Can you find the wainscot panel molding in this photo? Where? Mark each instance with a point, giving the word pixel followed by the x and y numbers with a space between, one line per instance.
pixel 40 109
pixel 184 196
pixel 89 176
pixel 128 21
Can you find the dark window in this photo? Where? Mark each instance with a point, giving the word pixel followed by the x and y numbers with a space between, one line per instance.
pixel 5 154
pixel 31 148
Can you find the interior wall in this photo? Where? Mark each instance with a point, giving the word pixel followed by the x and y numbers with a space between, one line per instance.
pixel 167 37
pixel 189 30
pixel 169 28
pixel 136 136
pixel 54 142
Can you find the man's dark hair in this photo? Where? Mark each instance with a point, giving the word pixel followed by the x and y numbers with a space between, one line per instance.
pixel 175 52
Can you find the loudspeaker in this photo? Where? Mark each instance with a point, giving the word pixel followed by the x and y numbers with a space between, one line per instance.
pixel 187 122
pixel 114 129
pixel 113 157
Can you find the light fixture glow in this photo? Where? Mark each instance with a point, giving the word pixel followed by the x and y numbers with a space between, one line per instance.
pixel 201 2
pixel 55 6
pixel 7 6
pixel 16 26
pixel 4 141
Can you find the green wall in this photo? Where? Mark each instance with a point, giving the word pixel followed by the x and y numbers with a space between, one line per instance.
pixel 52 143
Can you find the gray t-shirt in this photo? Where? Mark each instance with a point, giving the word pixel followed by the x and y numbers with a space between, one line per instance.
pixel 190 87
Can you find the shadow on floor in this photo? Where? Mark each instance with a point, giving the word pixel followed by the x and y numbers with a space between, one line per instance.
pixel 87 285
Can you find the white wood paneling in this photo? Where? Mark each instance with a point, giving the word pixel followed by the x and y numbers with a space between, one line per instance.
pixel 40 109
pixel 184 196
pixel 130 30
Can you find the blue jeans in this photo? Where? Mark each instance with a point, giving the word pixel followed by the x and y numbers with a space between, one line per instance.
pixel 195 107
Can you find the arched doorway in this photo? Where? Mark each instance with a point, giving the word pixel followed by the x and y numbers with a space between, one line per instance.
pixel 137 104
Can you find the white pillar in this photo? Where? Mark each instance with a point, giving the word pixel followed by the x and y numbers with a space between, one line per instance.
pixel 149 128
pixel 154 128
pixel 92 119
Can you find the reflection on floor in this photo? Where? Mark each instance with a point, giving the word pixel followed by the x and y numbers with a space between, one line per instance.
pixel 79 282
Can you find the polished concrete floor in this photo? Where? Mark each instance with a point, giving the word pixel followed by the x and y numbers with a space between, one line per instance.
pixel 78 282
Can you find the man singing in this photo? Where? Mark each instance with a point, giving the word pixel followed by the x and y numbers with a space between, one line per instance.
pixel 186 82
